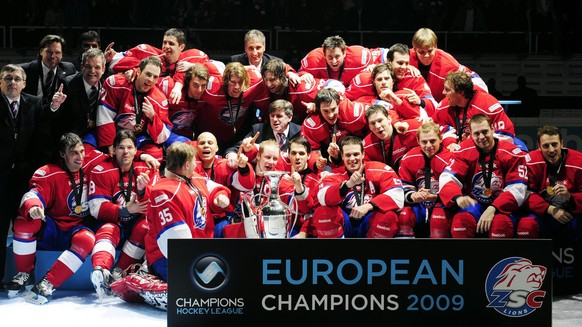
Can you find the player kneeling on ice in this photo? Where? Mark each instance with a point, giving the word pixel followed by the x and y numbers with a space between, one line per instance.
pixel 181 206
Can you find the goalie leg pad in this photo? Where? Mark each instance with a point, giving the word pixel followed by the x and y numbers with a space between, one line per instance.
pixel 119 288
pixel 152 289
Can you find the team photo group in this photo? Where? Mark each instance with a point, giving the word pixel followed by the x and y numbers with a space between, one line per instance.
pixel 108 157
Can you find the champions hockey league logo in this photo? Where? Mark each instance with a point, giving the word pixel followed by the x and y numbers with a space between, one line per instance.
pixel 513 287
pixel 209 273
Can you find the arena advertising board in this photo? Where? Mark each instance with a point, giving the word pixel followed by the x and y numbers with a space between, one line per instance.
pixel 359 282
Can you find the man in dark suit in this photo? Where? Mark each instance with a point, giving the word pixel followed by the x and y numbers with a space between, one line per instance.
pixel 254 51
pixel 19 116
pixel 44 77
pixel 48 71
pixel 278 128
pixel 78 112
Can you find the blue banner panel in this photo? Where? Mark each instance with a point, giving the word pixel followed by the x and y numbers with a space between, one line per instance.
pixel 359 282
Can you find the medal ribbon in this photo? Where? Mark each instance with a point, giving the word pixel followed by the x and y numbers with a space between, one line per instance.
pixel 387 157
pixel 487 174
pixel 359 189
pixel 195 189
pixel 259 191
pixel 126 192
pixel 233 118
pixel 459 124
pixel 138 111
pixel 427 172
pixel 554 174
pixel 77 190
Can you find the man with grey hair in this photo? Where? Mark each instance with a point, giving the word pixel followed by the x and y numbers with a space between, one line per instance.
pixel 19 115
pixel 254 55
pixel 83 90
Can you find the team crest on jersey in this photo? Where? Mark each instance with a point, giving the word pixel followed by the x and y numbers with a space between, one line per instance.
pixel 513 287
pixel 350 201
pixel 125 121
pixel 165 103
pixel 479 188
pixel 182 119
pixel 72 203
pixel 199 213
pixel 226 118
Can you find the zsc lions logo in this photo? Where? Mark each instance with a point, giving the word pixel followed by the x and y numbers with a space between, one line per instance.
pixel 209 273
pixel 513 287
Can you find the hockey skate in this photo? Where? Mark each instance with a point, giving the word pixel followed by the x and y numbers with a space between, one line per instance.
pixel 20 284
pixel 41 293
pixel 101 279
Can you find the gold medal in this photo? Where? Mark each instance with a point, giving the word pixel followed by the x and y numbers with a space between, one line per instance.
pixel 90 123
pixel 487 192
pixel 138 128
pixel 78 209
pixel 550 190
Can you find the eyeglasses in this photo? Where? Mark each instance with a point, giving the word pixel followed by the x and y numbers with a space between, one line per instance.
pixel 10 79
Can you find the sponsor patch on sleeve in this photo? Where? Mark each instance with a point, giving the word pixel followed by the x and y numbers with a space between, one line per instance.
pixel 161 198
pixel 40 172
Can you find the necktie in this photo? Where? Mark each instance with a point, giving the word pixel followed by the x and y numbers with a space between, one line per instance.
pixel 48 83
pixel 282 140
pixel 93 98
pixel 14 108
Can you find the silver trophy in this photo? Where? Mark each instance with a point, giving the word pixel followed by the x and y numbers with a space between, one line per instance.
pixel 270 219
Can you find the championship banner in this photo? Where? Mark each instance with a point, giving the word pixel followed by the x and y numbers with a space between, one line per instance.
pixel 359 282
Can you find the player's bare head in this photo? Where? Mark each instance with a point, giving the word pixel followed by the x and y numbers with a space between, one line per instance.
pixel 333 42
pixel 427 128
pixel 480 118
pixel 196 71
pixel 207 136
pixel 267 143
pixel 281 105
pixel 92 53
pixel 549 131
pixel 279 70
pixel 178 34
pixel 379 69
pixel 460 82
pixel 122 135
pixel 397 48
pixel 255 36
pixel 179 154
pixel 352 140
pixel 236 69
pixel 68 141
pixel 424 37
pixel 152 60
pixel 302 141
pixel 326 96
pixel 376 109
pixel 11 68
